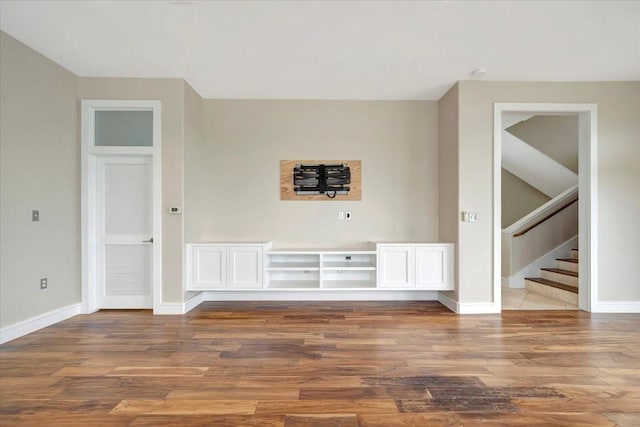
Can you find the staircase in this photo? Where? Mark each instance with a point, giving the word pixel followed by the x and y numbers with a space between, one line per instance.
pixel 559 283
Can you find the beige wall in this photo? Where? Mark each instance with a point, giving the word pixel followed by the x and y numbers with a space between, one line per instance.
pixel 40 169
pixel 518 198
pixel 555 136
pixel 448 212
pixel 617 171
pixel 170 92
pixel 245 141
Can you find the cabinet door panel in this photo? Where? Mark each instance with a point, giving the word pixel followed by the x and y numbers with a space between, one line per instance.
pixel 432 267
pixel 245 263
pixel 210 267
pixel 396 267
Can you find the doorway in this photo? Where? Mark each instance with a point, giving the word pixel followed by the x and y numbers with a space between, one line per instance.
pixel 121 225
pixel 587 187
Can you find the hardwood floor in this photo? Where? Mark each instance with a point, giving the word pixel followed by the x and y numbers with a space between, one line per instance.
pixel 325 364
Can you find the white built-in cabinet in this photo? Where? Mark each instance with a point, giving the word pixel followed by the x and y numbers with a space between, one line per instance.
pixel 316 269
pixel 251 266
pixel 417 265
pixel 225 266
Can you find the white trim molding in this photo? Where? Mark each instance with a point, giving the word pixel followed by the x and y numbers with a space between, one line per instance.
pixel 587 184
pixel 179 307
pixel 616 307
pixel 28 326
pixel 89 154
pixel 448 302
pixel 468 307
pixel 323 295
pixel 479 308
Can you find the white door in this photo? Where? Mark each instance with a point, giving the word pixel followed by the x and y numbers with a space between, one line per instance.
pixel 124 237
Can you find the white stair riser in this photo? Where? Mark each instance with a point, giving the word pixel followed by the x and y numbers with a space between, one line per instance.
pixel 566 265
pixel 574 253
pixel 548 291
pixel 560 278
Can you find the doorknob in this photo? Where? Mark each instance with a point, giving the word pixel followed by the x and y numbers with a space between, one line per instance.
pixel 148 241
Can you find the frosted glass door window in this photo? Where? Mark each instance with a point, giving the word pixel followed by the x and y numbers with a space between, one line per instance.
pixel 124 128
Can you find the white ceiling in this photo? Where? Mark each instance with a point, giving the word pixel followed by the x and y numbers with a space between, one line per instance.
pixel 333 49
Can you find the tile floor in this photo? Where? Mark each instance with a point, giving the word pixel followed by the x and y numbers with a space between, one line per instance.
pixel 522 299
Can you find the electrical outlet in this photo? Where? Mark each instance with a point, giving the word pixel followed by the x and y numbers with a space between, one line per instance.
pixel 340 216
pixel 35 215
pixel 348 257
pixel 43 283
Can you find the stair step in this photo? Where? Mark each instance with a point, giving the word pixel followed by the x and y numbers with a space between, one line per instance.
pixel 559 275
pixel 552 289
pixel 569 264
pixel 553 284
pixel 574 253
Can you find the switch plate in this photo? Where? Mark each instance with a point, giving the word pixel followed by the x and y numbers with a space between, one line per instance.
pixel 340 216
pixel 43 283
pixel 469 216
pixel 35 215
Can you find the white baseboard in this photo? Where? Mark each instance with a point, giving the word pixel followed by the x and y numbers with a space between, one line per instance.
pixel 468 307
pixel 173 308
pixel 193 302
pixel 616 307
pixel 377 295
pixel 25 327
pixel 448 302
pixel 169 308
pixel 479 308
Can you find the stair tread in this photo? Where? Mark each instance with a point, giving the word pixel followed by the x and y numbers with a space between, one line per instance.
pixel 557 285
pixel 561 271
pixel 573 260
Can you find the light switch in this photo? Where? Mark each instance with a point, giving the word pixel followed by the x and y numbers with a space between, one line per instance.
pixel 469 216
pixel 35 215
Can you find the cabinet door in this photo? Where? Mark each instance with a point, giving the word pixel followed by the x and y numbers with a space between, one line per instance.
pixel 396 267
pixel 432 267
pixel 209 267
pixel 245 266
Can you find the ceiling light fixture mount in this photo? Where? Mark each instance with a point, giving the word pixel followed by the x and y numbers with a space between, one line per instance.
pixel 479 73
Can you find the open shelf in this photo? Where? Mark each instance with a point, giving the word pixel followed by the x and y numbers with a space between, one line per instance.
pixel 348 265
pixel 293 266
pixel 349 284
pixel 294 284
pixel 307 269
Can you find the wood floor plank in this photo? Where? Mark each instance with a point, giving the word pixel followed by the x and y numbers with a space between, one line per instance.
pixel 319 407
pixel 332 420
pixel 185 407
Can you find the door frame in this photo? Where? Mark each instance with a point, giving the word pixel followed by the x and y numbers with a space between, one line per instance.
pixel 89 154
pixel 587 188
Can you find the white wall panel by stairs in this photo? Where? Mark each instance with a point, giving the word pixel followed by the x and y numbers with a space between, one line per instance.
pixel 534 167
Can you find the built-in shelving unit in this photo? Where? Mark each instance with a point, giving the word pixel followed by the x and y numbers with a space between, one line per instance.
pixel 256 266
pixel 310 269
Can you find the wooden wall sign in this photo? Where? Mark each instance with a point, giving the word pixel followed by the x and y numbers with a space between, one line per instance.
pixel 320 180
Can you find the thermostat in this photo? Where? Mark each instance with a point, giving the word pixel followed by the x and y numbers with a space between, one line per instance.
pixel 175 211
